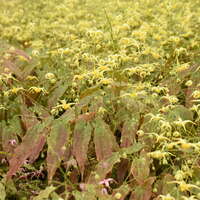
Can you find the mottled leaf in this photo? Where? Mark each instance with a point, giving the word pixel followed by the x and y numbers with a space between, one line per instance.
pixel 57 142
pixel 180 111
pixel 143 192
pixel 86 117
pixel 9 135
pixel 56 147
pixel 140 169
pixel 81 138
pixel 28 119
pixel 174 89
pixel 12 68
pixel 189 99
pixel 104 140
pixel 163 185
pixel 128 133
pixel 105 166
pixel 30 148
pixel 19 52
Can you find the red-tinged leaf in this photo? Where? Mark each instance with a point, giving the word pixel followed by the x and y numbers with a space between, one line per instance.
pixel 187 72
pixel 30 148
pixel 38 146
pixel 12 64
pixel 123 190
pixel 9 136
pixel 28 98
pixel 163 184
pixel 104 140
pixel 12 68
pixel 68 116
pixel 70 162
pixel 56 147
pixel 86 117
pixel 189 99
pixel 28 69
pixel 81 138
pixel 143 192
pixel 18 52
pixel 128 133
pixel 82 106
pixel 28 119
pixel 122 169
pixel 174 89
pixel 57 141
pixel 140 169
pixel 104 167
pixel 57 93
pixel 74 176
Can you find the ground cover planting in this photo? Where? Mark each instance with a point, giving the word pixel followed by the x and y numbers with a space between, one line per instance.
pixel 100 100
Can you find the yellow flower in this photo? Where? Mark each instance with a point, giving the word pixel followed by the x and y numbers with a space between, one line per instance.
pixel 189 83
pixel 78 77
pixel 49 76
pixel 167 197
pixel 106 81
pixel 186 146
pixel 6 93
pixel 102 110
pixel 196 94
pixel 22 58
pixel 180 175
pixel 30 78
pixel 65 106
pixel 103 68
pixel 182 67
pixel 184 187
pixel 37 90
pixel 16 90
pixel 158 154
pixel 118 195
pixel 170 146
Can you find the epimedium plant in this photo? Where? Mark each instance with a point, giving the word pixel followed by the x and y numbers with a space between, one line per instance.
pixel 100 101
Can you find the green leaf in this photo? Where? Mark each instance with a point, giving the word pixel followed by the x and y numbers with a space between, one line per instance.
pixel 123 190
pixel 2 192
pixel 180 111
pixel 135 147
pixel 56 94
pixel 89 91
pixel 44 194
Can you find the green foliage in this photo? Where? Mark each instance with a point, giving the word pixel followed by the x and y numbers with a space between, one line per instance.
pixel 100 99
